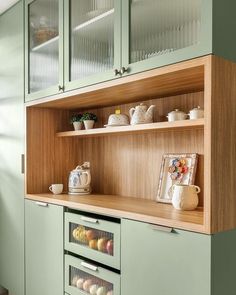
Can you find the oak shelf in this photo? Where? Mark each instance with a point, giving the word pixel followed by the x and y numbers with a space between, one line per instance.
pixel 128 207
pixel 142 128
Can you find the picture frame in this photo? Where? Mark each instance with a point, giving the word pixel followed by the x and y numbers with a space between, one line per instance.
pixel 175 168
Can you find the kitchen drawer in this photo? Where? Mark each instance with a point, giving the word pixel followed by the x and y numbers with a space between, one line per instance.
pixel 96 239
pixel 82 276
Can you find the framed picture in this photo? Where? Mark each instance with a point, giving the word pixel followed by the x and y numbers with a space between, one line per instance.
pixel 175 169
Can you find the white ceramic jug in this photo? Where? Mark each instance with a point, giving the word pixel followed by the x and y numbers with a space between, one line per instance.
pixel 185 197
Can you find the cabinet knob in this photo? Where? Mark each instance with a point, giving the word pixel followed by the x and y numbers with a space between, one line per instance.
pixel 124 70
pixel 60 88
pixel 117 72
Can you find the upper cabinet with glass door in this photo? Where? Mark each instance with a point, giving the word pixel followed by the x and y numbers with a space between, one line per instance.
pixel 161 32
pixel 93 40
pixel 44 48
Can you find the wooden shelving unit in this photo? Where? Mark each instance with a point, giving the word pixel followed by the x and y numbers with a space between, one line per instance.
pixel 142 128
pixel 125 170
pixel 125 207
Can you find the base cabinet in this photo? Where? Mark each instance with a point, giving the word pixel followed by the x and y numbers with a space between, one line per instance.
pixel 154 261
pixel 43 248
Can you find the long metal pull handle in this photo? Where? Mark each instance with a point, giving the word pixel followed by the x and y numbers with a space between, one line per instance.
pixel 88 219
pixel 89 266
pixel 162 228
pixel 41 204
pixel 22 164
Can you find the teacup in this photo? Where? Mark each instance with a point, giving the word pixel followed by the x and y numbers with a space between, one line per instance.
pixel 184 197
pixel 56 189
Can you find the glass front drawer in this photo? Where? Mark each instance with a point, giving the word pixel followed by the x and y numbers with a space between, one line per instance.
pixel 96 239
pixel 84 278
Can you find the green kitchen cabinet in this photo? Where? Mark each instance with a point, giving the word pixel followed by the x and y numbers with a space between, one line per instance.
pixel 76 43
pixel 157 261
pixel 103 230
pixel 11 149
pixel 44 265
pixel 76 268
pixel 156 33
pixel 161 260
pixel 43 48
pixel 92 42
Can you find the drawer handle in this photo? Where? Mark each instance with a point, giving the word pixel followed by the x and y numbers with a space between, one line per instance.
pixel 89 266
pixel 41 204
pixel 162 228
pixel 88 219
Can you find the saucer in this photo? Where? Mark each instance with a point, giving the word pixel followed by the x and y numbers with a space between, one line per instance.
pixel 116 125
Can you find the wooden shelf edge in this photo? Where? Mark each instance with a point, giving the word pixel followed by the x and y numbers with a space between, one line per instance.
pixel 159 126
pixel 123 207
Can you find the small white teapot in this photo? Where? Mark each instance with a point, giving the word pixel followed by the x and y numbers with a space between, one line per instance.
pixel 185 197
pixel 141 114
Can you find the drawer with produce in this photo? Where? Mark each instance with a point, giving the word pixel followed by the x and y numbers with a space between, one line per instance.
pixel 93 237
pixel 83 277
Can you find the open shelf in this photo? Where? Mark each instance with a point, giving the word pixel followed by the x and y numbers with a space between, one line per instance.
pixel 142 128
pixel 127 207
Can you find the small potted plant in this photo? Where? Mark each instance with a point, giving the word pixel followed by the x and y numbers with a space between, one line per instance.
pixel 76 121
pixel 89 119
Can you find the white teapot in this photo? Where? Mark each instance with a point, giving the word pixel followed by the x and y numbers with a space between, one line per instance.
pixel 80 180
pixel 185 197
pixel 141 114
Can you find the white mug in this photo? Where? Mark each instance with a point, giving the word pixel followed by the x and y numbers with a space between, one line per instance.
pixel 185 196
pixel 56 189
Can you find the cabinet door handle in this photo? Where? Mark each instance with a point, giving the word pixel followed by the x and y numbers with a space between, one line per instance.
pixel 89 266
pixel 162 228
pixel 88 219
pixel 117 72
pixel 22 164
pixel 41 204
pixel 60 88
pixel 124 70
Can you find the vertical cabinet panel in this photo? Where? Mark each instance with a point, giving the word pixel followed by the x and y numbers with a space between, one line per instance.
pixel 44 47
pixel 11 148
pixel 92 48
pixel 161 32
pixel 167 263
pixel 43 248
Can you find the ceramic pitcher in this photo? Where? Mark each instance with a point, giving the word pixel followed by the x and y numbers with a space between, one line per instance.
pixel 185 197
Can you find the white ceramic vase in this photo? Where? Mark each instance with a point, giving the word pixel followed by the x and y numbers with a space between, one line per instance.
pixel 77 125
pixel 88 124
pixel 185 197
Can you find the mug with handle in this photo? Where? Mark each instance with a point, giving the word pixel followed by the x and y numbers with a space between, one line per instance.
pixel 56 189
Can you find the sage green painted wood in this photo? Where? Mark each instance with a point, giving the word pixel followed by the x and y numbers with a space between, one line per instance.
pixel 98 77
pixel 11 148
pixel 43 249
pixel 224 29
pixel 102 273
pixel 103 225
pixel 203 48
pixel 224 263
pixel 53 89
pixel 156 262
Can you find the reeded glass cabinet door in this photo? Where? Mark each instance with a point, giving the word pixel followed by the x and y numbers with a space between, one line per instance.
pixel 44 27
pixel 158 32
pixel 92 32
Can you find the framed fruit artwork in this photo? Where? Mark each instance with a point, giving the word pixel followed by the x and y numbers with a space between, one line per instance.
pixel 175 169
